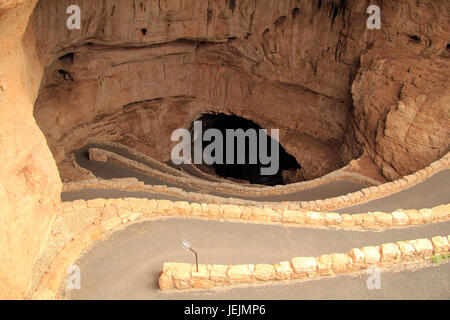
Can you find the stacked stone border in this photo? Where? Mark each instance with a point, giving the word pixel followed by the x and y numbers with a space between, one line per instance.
pixel 117 213
pixel 178 276
pixel 321 205
pixel 164 167
pixel 236 187
pixel 128 209
pixel 223 186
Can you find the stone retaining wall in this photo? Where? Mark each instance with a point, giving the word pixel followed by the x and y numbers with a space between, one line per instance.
pixel 128 209
pixel 225 186
pixel 164 167
pixel 113 214
pixel 186 276
pixel 323 205
pixel 155 164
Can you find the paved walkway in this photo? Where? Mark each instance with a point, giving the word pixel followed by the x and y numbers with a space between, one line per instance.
pixel 107 170
pixel 432 192
pixel 128 264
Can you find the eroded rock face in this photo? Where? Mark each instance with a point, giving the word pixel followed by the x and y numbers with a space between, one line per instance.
pixel 135 66
pixel 402 105
pixel 401 94
pixel 29 181
pixel 261 61
pixel 137 70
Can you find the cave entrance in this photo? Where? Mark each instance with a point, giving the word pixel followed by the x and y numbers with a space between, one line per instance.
pixel 251 171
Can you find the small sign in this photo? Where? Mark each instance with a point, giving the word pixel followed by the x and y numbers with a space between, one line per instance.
pixel 185 244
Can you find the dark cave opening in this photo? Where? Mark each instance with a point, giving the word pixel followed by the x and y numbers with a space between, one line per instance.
pixel 251 170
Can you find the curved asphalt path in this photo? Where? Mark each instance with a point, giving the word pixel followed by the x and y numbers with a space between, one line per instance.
pixel 432 192
pixel 107 170
pixel 429 193
pixel 128 264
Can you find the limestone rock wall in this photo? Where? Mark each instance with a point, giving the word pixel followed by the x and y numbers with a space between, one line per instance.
pixel 265 61
pixel 401 93
pixel 310 68
pixel 29 181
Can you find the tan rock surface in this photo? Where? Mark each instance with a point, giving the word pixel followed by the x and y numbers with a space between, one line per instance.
pixel 29 180
pixel 352 91
pixel 231 60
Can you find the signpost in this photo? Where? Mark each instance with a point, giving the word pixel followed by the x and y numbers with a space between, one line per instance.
pixel 187 246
